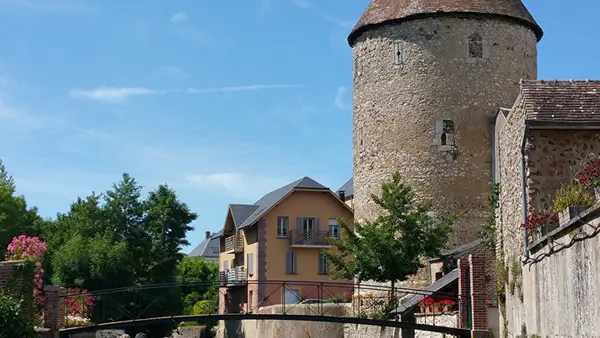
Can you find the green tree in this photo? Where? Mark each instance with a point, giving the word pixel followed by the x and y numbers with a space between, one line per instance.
pixel 16 218
pixel 14 318
pixel 389 248
pixel 192 269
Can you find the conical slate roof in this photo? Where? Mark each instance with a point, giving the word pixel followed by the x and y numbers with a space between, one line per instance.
pixel 385 11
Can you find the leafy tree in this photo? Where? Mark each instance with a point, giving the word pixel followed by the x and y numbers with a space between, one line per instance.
pixel 117 239
pixel 192 269
pixel 15 217
pixel 14 318
pixel 389 248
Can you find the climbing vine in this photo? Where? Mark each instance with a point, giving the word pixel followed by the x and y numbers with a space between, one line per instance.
pixel 516 282
pixel 488 234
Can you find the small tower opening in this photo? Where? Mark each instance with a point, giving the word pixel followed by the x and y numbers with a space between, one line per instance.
pixel 475 46
pixel 443 139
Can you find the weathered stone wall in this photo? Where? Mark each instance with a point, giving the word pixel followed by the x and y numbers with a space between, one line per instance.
pixel 553 157
pixel 399 106
pixel 561 289
pixel 510 211
pixel 289 329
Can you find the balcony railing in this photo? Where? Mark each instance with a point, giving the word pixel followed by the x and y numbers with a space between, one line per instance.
pixel 310 239
pixel 234 244
pixel 235 276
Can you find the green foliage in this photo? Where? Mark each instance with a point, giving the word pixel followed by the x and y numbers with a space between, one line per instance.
pixel 93 263
pixel 572 195
pixel 16 218
pixel 117 239
pixel 488 234
pixel 192 269
pixel 502 278
pixel 516 282
pixel 390 247
pixel 205 307
pixel 15 319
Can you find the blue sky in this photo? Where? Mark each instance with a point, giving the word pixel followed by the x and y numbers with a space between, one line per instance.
pixel 223 102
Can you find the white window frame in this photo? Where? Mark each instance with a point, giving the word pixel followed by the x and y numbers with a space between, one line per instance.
pixel 283 223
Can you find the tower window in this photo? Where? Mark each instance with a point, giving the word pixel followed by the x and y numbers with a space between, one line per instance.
pixel 445 137
pixel 398 53
pixel 361 136
pixel 475 46
pixel 448 126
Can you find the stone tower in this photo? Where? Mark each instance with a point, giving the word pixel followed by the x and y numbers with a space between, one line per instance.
pixel 429 78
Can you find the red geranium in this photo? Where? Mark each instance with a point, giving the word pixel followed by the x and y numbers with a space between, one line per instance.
pixel 539 218
pixel 589 173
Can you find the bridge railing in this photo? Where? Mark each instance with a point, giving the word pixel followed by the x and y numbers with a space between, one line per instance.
pixel 332 299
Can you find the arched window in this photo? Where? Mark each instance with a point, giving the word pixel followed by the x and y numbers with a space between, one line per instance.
pixel 443 140
pixel 475 46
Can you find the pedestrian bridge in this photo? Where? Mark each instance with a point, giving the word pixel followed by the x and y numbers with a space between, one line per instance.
pixel 135 308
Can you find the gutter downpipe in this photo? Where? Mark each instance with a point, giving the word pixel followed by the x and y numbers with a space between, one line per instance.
pixel 524 188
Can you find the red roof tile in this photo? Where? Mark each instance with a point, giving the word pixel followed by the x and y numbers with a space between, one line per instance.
pixel 383 11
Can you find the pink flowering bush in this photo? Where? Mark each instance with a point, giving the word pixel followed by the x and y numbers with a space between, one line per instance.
pixel 30 249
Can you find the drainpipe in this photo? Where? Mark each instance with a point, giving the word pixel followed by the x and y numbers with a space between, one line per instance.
pixel 524 188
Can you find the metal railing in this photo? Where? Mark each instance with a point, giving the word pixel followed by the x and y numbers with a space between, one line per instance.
pixel 234 244
pixel 237 275
pixel 310 238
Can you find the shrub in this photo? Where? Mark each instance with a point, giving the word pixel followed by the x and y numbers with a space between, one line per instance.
pixel 570 196
pixel 14 318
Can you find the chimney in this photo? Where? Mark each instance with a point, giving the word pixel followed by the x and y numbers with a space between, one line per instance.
pixel 342 195
pixel 207 234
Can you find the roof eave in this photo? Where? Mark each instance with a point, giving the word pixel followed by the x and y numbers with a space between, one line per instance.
pixel 563 124
pixel 358 30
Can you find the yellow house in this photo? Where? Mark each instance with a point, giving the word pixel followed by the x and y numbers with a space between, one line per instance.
pixel 279 239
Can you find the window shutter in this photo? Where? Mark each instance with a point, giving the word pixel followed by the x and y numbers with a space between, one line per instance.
pixel 250 264
pixel 316 225
pixel 320 257
pixel 294 263
pixel 299 225
pixel 288 262
pixel 225 265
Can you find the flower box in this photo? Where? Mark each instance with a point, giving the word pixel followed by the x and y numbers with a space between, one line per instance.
pixel 565 216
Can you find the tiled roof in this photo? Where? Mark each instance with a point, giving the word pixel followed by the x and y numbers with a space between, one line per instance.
pixel 245 215
pixel 383 11
pixel 561 101
pixel 437 286
pixel 348 188
pixel 209 247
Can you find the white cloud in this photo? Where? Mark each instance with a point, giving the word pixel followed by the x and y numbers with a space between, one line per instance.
pixel 237 185
pixel 115 95
pixel 239 88
pixel 179 17
pixel 110 94
pixel 340 98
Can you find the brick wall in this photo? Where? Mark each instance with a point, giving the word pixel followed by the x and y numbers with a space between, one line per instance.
pixel 7 273
pixel 472 288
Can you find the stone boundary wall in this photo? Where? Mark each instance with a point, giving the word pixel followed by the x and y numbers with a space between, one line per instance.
pixel 558 290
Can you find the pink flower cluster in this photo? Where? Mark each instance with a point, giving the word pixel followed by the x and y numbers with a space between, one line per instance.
pixel 81 304
pixel 30 249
